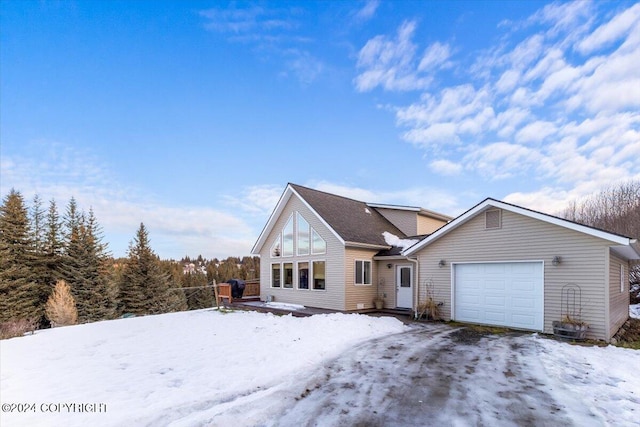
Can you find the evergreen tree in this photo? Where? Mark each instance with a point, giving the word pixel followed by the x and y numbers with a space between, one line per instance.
pixel 84 266
pixel 144 288
pixel 53 245
pixel 39 259
pixel 197 295
pixel 20 296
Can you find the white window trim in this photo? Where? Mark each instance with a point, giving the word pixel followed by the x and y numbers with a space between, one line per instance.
pixel 271 275
pixel 293 237
pixel 297 235
pixel 311 275
pixel 293 277
pixel 276 242
pixel 355 272
pixel 297 279
pixel 313 230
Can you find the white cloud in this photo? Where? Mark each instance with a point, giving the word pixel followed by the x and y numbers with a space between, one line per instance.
pixel 611 31
pixel 445 167
pixel 560 90
pixel 390 63
pixel 435 56
pixel 368 10
pixel 56 171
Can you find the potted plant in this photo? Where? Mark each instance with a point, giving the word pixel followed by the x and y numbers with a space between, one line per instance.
pixel 570 328
pixel 570 325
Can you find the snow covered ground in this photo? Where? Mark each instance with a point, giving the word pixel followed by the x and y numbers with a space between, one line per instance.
pixel 634 311
pixel 203 368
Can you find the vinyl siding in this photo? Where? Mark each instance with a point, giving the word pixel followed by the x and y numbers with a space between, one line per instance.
pixel 359 294
pixel 427 225
pixel 521 238
pixel 387 282
pixel 618 301
pixel 406 221
pixel 334 296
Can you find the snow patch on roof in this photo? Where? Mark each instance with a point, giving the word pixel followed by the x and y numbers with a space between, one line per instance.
pixel 394 240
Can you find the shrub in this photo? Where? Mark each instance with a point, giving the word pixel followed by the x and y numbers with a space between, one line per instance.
pixel 61 307
pixel 17 328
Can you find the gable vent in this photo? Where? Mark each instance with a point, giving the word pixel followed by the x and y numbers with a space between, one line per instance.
pixel 493 219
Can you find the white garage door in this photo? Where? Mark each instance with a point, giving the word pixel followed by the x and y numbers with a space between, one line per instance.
pixel 504 294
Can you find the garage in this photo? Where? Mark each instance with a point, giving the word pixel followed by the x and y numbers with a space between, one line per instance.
pixel 507 294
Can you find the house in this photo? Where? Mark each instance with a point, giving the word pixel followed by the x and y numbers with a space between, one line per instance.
pixel 496 264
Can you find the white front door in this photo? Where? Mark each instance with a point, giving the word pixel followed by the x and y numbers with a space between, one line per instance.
pixel 404 286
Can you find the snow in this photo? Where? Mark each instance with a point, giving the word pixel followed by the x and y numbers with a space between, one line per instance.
pixel 393 240
pixel 634 311
pixel 174 369
pixel 206 367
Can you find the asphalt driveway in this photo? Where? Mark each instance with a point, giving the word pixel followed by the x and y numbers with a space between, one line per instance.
pixel 435 375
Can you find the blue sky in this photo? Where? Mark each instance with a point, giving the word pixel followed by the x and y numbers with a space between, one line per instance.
pixel 193 116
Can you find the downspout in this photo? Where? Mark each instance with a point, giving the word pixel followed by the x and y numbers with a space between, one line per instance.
pixel 415 288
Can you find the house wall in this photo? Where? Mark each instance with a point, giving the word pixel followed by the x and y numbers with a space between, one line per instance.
pixel 334 296
pixel 359 294
pixel 618 300
pixel 387 282
pixel 521 238
pixel 427 225
pixel 406 221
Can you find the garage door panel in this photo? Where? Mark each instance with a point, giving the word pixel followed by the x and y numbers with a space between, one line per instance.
pixel 503 294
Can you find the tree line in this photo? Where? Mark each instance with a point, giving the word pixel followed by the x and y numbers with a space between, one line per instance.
pixel 42 250
pixel 617 210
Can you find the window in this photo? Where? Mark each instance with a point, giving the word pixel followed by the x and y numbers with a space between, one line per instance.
pixel 318 275
pixel 275 248
pixel 287 238
pixel 319 246
pixel 303 236
pixel 493 219
pixel 288 275
pixel 275 275
pixel 622 278
pixel 363 272
pixel 303 275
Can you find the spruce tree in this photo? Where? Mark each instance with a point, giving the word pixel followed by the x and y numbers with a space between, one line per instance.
pixel 144 288
pixel 20 296
pixel 53 245
pixel 84 266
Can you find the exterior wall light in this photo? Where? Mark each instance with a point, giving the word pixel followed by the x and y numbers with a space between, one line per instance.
pixel 441 263
pixel 556 260
pixel 389 265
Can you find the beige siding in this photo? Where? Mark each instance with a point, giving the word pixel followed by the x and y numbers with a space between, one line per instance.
pixel 618 300
pixel 387 282
pixel 427 225
pixel 359 294
pixel 334 296
pixel 525 239
pixel 406 221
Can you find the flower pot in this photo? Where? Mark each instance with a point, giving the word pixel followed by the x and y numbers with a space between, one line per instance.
pixel 568 330
pixel 379 304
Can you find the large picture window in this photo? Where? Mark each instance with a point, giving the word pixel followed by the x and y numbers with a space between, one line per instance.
pixel 288 275
pixel 363 272
pixel 303 275
pixel 275 248
pixel 287 238
pixel 275 275
pixel 303 236
pixel 318 275
pixel 319 246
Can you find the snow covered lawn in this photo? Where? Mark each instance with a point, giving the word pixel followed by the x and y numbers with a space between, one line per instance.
pixel 205 368
pixel 181 368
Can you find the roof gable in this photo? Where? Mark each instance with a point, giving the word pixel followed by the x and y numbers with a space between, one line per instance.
pixel 351 221
pixel 622 245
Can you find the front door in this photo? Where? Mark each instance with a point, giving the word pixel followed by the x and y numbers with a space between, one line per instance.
pixel 404 286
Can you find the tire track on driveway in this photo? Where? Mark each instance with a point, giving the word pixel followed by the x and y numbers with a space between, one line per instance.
pixel 432 375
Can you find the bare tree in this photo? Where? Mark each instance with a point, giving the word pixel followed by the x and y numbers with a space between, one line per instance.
pixel 617 210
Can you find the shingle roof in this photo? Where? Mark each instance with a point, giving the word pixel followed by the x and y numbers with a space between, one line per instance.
pixel 352 220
